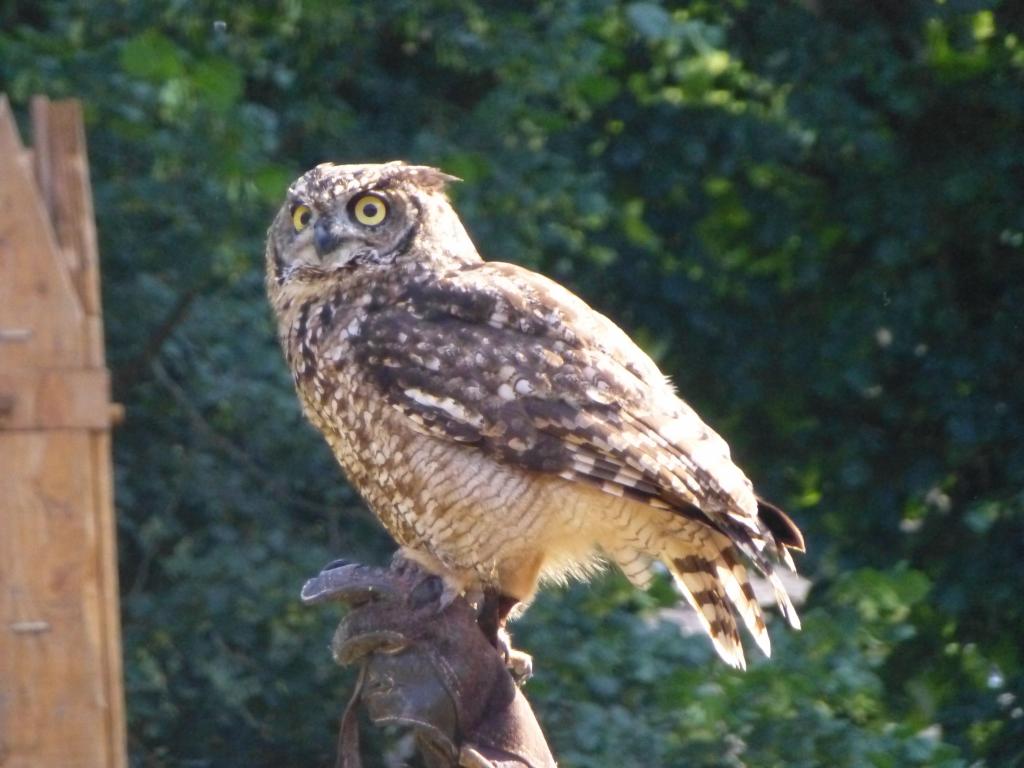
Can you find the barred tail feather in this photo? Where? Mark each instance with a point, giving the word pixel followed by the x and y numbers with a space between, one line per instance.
pixel 782 598
pixel 733 575
pixel 710 572
pixel 696 580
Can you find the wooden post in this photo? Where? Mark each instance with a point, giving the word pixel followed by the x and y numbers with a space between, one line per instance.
pixel 61 692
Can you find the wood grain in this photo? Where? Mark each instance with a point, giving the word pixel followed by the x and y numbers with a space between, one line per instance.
pixel 61 690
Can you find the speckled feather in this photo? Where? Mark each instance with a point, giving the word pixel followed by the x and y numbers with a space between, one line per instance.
pixel 501 429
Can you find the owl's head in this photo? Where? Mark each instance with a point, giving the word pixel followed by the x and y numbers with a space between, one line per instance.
pixel 341 218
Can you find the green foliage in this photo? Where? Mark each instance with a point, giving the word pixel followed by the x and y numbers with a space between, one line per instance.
pixel 814 219
pixel 629 691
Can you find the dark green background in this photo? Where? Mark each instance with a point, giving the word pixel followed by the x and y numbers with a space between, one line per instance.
pixel 811 214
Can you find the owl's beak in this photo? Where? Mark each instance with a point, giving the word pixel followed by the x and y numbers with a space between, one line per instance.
pixel 328 234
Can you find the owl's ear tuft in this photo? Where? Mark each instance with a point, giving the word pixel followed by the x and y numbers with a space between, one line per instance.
pixel 429 178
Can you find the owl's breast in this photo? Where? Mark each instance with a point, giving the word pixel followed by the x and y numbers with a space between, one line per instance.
pixel 338 397
pixel 375 449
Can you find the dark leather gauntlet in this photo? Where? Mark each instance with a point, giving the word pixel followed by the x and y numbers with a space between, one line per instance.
pixel 428 666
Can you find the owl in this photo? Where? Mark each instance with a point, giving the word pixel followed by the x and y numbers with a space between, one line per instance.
pixel 505 433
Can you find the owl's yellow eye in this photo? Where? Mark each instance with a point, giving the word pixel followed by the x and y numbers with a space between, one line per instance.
pixel 301 216
pixel 370 210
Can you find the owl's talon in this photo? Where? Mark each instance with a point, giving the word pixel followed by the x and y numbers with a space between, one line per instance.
pixel 475 598
pixel 449 595
pixel 520 666
pixel 518 663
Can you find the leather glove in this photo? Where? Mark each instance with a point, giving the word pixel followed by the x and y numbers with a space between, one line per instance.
pixel 427 665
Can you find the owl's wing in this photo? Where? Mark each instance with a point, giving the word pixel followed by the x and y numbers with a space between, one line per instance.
pixel 505 359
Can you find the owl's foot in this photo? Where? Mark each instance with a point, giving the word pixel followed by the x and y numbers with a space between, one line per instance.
pixel 491 618
pixel 454 585
pixel 441 586
pixel 402 563
pixel 518 663
pixel 454 589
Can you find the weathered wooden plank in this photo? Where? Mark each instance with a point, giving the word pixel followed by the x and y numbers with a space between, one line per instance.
pixel 55 398
pixel 61 690
pixel 42 165
pixel 56 699
pixel 62 172
pixel 110 610
pixel 36 293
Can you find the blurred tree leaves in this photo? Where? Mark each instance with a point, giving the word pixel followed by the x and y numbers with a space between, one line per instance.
pixel 151 56
pixel 810 213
